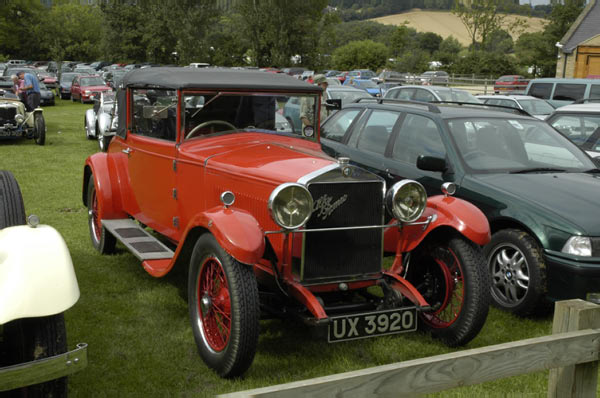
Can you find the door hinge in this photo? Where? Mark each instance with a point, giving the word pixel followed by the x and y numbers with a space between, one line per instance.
pixel 175 193
pixel 176 222
pixel 174 165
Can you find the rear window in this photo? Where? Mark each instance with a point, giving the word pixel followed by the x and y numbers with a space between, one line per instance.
pixel 569 92
pixel 540 90
pixel 595 91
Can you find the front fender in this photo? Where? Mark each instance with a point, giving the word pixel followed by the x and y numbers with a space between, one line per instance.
pixel 109 194
pixel 237 231
pixel 36 273
pixel 449 211
pixel 90 122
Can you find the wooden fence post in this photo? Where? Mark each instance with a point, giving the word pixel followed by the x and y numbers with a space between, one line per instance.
pixel 576 380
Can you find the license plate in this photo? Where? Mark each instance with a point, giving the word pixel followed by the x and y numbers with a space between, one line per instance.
pixel 371 324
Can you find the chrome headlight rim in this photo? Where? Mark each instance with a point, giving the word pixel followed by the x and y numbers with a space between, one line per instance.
pixel 272 203
pixel 576 246
pixel 392 201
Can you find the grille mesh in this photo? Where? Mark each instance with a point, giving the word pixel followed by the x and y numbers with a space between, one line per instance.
pixel 8 114
pixel 342 254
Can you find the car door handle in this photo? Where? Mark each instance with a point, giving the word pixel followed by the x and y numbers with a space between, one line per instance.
pixel 127 151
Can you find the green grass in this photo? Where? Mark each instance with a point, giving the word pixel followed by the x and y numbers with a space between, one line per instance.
pixel 137 328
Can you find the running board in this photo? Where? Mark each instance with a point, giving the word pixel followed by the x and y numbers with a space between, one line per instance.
pixel 143 245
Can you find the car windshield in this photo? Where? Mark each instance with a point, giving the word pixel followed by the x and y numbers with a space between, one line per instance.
pixel 368 84
pixel 536 107
pixel 455 95
pixel 92 81
pixel 68 77
pixel 207 113
pixel 510 145
pixel 347 96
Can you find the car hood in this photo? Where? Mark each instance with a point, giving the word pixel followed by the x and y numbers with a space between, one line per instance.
pixel 265 158
pixel 95 88
pixel 566 198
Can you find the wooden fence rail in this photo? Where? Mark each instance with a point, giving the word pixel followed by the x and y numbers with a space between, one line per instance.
pixel 572 353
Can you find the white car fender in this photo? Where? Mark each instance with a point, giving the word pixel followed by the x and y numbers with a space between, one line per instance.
pixel 37 277
pixel 90 122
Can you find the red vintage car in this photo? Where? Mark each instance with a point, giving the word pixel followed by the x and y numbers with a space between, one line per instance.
pixel 87 87
pixel 267 224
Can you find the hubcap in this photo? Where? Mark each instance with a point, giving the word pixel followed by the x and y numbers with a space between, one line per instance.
pixel 510 275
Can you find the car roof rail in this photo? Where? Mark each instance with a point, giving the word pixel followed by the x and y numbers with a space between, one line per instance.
pixel 510 108
pixel 584 100
pixel 431 107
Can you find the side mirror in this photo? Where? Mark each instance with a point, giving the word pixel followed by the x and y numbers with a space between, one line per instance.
pixel 431 163
pixel 333 104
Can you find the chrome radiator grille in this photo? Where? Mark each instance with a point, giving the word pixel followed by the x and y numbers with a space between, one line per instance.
pixel 344 254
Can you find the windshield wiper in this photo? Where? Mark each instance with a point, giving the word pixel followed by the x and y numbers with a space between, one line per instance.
pixel 537 170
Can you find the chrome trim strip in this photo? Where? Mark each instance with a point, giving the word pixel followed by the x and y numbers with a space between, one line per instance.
pixel 304 180
pixel 425 223
pixel 41 370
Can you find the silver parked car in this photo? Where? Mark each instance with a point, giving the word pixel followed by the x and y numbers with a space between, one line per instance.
pixel 430 94
pixel 536 107
pixel 101 121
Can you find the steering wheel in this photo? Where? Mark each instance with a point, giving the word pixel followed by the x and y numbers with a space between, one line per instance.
pixel 474 154
pixel 208 123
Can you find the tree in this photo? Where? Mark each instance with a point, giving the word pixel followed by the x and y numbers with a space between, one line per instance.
pixel 279 29
pixel 360 54
pixel 70 32
pixel 482 17
pixel 430 41
pixel 449 51
pixel 18 19
pixel 122 38
pixel 499 41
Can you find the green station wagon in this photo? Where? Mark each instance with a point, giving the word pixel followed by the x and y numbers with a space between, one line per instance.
pixel 539 191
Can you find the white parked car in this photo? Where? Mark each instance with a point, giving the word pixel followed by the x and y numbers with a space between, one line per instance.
pixel 37 285
pixel 536 107
pixel 101 121
pixel 581 124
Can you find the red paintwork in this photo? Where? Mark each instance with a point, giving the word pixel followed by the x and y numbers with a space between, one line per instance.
pixel 516 82
pixel 459 214
pixel 78 91
pixel 175 188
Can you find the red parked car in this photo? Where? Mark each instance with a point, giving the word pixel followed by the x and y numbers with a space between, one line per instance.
pixel 87 87
pixel 508 83
pixel 267 224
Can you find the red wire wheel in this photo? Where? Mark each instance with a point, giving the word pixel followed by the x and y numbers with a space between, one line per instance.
pixel 450 272
pixel 214 305
pixel 450 292
pixel 102 240
pixel 224 308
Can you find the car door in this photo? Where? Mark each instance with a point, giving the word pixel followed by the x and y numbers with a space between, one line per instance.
pixel 151 151
pixel 417 135
pixel 368 141
pixel 335 130
pixel 75 89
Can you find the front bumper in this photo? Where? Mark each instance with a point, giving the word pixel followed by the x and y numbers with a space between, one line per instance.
pixel 570 277
pixel 42 370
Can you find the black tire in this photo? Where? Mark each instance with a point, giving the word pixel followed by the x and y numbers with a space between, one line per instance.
pixel 12 209
pixel 39 133
pixel 226 344
pixel 517 272
pixel 102 240
pixel 451 274
pixel 29 339
pixel 24 340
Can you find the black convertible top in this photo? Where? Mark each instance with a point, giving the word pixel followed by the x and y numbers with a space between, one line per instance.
pixel 214 78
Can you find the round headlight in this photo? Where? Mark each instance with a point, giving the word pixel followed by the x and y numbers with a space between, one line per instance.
pixel 290 205
pixel 19 118
pixel 406 200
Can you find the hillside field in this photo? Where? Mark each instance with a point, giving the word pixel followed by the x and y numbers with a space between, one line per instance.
pixel 447 24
